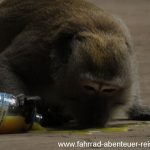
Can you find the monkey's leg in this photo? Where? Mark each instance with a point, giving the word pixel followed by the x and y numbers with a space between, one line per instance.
pixel 9 81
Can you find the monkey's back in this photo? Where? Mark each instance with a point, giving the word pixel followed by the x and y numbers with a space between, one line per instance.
pixel 30 29
pixel 49 16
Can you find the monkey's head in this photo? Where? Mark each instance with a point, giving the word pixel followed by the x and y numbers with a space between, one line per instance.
pixel 93 76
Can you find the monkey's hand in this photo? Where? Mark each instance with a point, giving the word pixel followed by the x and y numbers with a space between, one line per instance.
pixel 139 112
pixel 28 105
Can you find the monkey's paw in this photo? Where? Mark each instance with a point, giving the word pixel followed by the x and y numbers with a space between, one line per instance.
pixel 139 112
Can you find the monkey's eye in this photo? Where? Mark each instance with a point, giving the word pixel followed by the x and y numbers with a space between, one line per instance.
pixel 90 89
pixel 109 89
pixel 119 103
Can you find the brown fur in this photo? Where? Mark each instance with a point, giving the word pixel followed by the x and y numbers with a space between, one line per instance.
pixel 62 50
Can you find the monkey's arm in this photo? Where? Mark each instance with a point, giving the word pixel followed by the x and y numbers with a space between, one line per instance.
pixel 10 27
pixel 9 81
pixel 138 111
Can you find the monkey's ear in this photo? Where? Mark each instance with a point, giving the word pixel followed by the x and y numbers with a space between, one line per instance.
pixel 62 45
pixel 63 41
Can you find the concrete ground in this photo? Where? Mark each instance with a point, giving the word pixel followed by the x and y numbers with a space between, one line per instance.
pixel 136 13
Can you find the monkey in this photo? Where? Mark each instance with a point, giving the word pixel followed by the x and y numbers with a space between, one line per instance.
pixel 78 58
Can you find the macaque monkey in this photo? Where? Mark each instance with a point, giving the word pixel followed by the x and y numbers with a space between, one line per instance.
pixel 78 58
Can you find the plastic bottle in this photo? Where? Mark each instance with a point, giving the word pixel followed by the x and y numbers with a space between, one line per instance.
pixel 17 113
